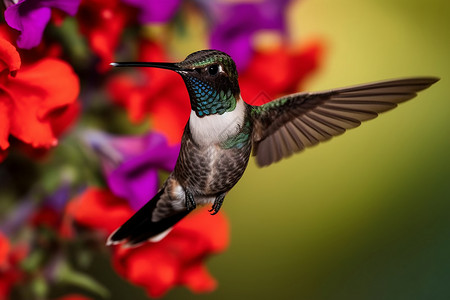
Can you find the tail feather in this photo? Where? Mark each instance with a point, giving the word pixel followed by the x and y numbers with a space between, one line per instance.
pixel 140 227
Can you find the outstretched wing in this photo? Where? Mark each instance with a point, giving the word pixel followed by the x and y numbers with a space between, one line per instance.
pixel 294 122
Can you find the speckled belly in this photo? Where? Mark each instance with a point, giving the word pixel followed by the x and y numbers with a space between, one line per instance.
pixel 209 171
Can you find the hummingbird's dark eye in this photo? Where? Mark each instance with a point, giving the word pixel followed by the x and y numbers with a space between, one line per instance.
pixel 213 69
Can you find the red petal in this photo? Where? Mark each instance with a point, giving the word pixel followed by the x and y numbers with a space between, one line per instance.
pixel 198 279
pixel 125 92
pixel 36 92
pixel 99 209
pixel 178 258
pixel 170 116
pixel 151 266
pixel 5 112
pixel 305 63
pixel 8 33
pixel 46 217
pixel 161 270
pixel 62 119
pixel 164 97
pixel 53 79
pixel 102 22
pixel 160 93
pixel 151 51
pixel 9 57
pixel 10 271
pixel 213 229
pixel 288 70
pixel 4 250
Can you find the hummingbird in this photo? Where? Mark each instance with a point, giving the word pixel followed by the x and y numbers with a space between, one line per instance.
pixel 223 132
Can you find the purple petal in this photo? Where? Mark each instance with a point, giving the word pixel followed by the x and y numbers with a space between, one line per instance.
pixel 154 11
pixel 236 24
pixel 136 145
pixel 238 46
pixel 30 21
pixel 137 186
pixel 68 6
pixel 31 18
pixel 136 178
pixel 131 163
pixel 58 199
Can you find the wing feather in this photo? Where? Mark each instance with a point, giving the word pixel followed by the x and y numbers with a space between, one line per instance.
pixel 295 122
pixel 307 133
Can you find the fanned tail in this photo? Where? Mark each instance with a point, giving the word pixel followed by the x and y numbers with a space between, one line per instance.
pixel 140 227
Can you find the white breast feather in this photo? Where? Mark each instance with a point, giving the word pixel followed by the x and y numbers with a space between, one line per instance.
pixel 217 128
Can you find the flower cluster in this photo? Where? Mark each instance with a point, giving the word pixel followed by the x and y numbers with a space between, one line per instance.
pixel 82 146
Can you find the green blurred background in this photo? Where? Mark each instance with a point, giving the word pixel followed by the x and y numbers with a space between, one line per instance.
pixel 364 216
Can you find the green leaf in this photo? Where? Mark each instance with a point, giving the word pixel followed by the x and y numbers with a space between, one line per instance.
pixel 39 288
pixel 66 275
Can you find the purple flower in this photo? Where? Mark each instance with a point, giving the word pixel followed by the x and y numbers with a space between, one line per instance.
pixel 154 11
pixel 235 24
pixel 31 16
pixel 131 163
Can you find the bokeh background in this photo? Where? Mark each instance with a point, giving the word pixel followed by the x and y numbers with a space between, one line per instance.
pixel 365 215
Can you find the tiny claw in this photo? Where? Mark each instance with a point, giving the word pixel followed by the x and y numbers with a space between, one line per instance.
pixel 217 204
pixel 213 210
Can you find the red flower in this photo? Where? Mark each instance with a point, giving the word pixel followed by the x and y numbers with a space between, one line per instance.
pixel 102 22
pixel 176 260
pixel 46 217
pixel 278 71
pixel 159 93
pixel 10 272
pixel 33 97
pixel 99 209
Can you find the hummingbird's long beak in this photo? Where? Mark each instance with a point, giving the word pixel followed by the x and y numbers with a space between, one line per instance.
pixel 160 65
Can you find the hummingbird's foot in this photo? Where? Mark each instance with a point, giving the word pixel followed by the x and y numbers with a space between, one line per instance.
pixel 190 202
pixel 217 204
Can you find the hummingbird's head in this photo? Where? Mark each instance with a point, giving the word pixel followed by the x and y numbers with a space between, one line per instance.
pixel 212 81
pixel 210 77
